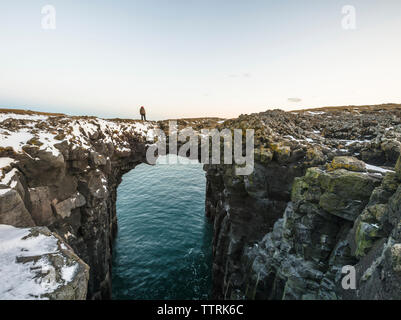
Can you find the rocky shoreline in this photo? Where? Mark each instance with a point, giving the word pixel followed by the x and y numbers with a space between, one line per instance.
pixel 325 193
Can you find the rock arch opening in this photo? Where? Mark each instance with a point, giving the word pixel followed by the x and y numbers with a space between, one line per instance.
pixel 162 249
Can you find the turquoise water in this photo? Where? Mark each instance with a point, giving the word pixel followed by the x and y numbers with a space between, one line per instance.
pixel 163 246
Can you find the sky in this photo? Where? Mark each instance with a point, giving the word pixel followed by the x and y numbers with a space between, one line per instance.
pixel 197 58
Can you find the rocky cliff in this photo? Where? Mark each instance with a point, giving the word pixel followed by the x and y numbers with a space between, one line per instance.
pixel 62 173
pixel 324 194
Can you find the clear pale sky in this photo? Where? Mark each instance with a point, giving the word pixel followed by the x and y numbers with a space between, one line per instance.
pixel 193 58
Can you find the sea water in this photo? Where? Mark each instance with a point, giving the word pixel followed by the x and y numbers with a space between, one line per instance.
pixel 163 246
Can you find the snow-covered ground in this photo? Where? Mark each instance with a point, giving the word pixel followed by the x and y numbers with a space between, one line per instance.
pixel 6 161
pixel 33 275
pixel 34 117
pixel 38 130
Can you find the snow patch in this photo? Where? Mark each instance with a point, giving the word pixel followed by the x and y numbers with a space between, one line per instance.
pixel 35 117
pixel 15 139
pixel 19 280
pixel 377 169
pixel 68 273
pixel 5 162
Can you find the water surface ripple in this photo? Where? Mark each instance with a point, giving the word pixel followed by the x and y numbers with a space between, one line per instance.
pixel 163 246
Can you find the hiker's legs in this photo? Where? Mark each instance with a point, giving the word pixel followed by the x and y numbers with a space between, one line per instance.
pixel 142 116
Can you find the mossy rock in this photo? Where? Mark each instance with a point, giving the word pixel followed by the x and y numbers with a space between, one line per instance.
pixel 332 203
pixel 375 213
pixel 341 192
pixel 351 185
pixel 302 191
pixel 312 175
pixel 365 236
pixel 347 163
pixel 299 187
pixel 390 182
pixel 315 156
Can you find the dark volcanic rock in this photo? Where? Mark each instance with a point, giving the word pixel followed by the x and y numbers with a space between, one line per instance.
pixel 264 251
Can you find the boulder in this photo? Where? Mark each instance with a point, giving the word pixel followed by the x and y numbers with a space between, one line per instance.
pixel 37 264
pixel 346 193
pixel 340 192
pixel 12 209
pixel 348 163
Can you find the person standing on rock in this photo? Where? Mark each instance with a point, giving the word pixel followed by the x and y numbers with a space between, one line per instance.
pixel 143 113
